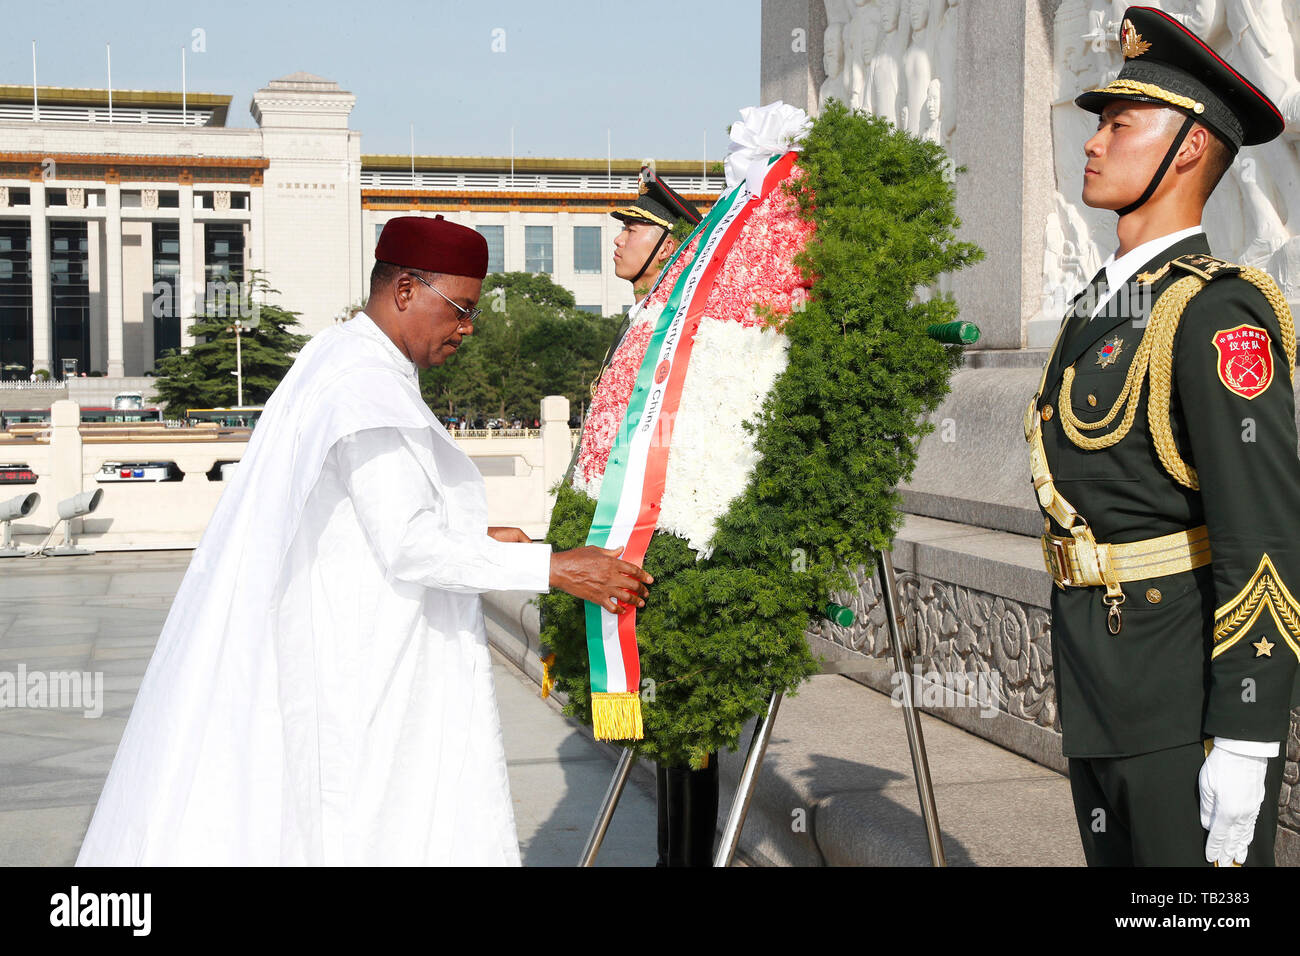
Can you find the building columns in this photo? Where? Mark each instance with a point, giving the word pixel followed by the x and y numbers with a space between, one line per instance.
pixel 113 258
pixel 185 283
pixel 95 285
pixel 147 325
pixel 255 249
pixel 42 354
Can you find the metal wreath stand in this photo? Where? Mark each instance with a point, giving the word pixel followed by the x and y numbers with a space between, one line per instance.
pixel 897 626
pixel 952 333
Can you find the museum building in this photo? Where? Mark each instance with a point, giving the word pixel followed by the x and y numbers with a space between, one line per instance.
pixel 125 213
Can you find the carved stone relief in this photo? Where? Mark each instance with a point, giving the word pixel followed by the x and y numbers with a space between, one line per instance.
pixel 149 198
pixel 957 631
pixel 76 197
pixel 894 58
pixel 4 197
pixel 221 200
pixel 1254 215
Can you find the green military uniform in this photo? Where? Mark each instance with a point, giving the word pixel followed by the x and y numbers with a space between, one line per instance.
pixel 686 799
pixel 1164 441
pixel 657 205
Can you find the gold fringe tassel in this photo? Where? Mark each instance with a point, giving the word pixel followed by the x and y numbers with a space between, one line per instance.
pixel 616 716
pixel 548 679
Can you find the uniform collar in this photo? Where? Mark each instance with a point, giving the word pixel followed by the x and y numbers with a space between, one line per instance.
pixel 365 325
pixel 1181 243
pixel 1119 271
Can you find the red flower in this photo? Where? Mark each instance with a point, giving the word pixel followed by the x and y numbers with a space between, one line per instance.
pixel 759 271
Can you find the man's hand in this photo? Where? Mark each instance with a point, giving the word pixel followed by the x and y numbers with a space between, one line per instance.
pixel 510 535
pixel 597 575
pixel 1232 792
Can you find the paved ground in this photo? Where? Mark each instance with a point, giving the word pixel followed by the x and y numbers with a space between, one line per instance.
pixel 837 786
pixel 101 614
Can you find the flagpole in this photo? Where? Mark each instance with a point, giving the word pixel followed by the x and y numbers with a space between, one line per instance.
pixel 36 103
pixel 108 52
pixel 184 120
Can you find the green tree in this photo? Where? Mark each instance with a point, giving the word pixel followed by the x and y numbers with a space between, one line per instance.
pixel 202 376
pixel 529 342
pixel 534 286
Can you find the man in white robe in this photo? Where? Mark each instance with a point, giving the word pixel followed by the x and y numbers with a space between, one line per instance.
pixel 321 692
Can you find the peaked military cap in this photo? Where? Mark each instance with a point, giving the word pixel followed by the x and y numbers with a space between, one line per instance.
pixel 658 204
pixel 1168 64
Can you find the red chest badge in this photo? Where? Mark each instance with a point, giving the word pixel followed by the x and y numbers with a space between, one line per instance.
pixel 1245 361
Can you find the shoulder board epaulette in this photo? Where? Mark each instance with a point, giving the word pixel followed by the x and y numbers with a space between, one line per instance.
pixel 1205 266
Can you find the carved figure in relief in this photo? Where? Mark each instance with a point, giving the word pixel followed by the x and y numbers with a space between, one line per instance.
pixel 932 113
pixel 833 62
pixel 917 69
pixel 1264 232
pixel 1259 39
pixel 862 37
pixel 1261 44
pixel 1069 256
pixel 945 65
pixel 888 63
pixel 1205 17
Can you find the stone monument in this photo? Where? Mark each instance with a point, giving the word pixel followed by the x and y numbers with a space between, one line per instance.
pixel 994 83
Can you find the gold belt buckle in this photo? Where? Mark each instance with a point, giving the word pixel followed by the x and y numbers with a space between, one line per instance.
pixel 1058 562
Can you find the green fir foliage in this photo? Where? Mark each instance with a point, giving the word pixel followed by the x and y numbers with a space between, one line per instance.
pixel 837 435
pixel 203 376
pixel 529 342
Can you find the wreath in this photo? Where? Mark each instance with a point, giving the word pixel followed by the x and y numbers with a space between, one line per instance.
pixel 801 414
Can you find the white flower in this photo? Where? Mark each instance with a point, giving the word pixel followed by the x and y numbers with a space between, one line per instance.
pixel 712 455
pixel 763 132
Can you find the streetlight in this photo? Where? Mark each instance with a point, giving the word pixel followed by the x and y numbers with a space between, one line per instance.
pixel 238 329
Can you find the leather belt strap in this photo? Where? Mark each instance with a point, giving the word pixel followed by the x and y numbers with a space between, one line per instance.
pixel 1078 563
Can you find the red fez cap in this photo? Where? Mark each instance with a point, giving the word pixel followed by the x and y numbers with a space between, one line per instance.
pixel 433 245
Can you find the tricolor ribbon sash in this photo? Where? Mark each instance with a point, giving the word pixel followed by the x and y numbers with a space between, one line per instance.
pixel 633 485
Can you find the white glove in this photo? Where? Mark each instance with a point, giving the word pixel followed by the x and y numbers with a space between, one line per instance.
pixel 1232 792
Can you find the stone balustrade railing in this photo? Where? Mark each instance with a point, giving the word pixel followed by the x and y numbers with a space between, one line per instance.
pixel 67 457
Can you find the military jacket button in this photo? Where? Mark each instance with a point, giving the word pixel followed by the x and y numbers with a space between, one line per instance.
pixel 1092 400
pixel 1047 413
pixel 1153 595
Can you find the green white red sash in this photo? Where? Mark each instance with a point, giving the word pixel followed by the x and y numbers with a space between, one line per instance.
pixel 633 484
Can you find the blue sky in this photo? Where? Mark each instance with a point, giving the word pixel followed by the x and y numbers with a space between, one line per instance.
pixel 569 70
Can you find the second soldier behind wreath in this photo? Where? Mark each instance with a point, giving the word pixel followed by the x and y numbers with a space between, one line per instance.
pixel 653 228
pixel 1163 449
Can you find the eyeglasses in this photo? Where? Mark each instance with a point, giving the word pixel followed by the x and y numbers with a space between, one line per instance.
pixel 467 316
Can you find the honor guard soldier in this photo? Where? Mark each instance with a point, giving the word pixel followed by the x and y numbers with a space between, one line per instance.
pixel 1163 449
pixel 654 226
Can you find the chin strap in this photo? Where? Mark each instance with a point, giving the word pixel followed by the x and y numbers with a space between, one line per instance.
pixel 1164 167
pixel 651 258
